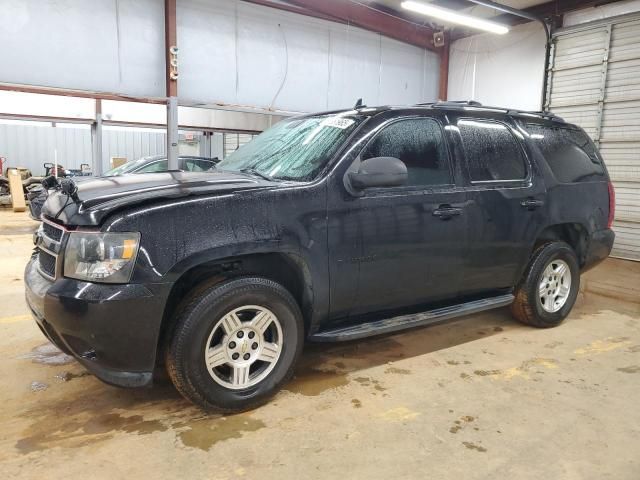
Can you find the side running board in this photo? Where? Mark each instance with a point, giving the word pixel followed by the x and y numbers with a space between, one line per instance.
pixel 353 332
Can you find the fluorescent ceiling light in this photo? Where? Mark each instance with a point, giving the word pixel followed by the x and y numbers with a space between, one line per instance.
pixel 451 16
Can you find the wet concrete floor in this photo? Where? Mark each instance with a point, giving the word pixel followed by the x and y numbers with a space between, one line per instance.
pixel 481 397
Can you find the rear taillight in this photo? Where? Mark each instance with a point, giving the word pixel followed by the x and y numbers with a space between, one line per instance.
pixel 612 205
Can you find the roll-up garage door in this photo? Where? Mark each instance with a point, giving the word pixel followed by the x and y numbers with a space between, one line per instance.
pixel 594 82
pixel 233 141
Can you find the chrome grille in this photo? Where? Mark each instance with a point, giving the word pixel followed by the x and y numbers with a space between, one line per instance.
pixel 49 247
pixel 54 233
pixel 47 264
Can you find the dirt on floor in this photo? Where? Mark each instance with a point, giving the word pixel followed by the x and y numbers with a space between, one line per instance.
pixel 482 397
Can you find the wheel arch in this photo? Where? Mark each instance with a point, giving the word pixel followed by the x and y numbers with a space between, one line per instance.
pixel 288 269
pixel 575 234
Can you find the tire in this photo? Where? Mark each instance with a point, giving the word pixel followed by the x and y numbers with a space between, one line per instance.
pixel 534 305
pixel 212 322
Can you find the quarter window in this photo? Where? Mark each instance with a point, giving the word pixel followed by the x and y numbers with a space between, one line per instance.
pixel 492 152
pixel 419 143
pixel 571 154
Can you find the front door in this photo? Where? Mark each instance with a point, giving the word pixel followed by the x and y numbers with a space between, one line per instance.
pixel 407 243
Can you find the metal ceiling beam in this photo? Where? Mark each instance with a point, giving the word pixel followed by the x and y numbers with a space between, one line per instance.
pixel 278 5
pixel 369 18
pixel 553 11
pixel 524 14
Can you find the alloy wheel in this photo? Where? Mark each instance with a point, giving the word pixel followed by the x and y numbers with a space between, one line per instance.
pixel 243 347
pixel 555 286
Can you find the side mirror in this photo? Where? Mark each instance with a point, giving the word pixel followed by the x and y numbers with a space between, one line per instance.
pixel 379 172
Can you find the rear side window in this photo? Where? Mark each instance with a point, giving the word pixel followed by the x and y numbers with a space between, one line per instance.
pixel 493 153
pixel 419 143
pixel 571 154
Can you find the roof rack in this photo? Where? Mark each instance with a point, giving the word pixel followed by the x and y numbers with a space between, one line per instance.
pixel 543 114
pixel 452 103
pixel 509 111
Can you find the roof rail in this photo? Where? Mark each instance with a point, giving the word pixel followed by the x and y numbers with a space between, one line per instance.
pixel 543 114
pixel 509 111
pixel 452 103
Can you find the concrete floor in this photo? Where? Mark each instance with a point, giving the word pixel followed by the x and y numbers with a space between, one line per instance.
pixel 482 397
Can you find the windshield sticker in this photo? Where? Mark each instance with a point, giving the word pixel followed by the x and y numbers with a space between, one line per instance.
pixel 337 122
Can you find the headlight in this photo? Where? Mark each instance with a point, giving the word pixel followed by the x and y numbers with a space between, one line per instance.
pixel 101 257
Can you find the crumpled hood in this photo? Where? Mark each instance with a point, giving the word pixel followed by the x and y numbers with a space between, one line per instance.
pixel 104 195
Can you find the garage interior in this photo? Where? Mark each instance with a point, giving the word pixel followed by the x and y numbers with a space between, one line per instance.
pixel 479 397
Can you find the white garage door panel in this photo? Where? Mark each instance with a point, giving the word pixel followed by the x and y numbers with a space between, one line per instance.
pixel 627 240
pixel 585 48
pixel 622 160
pixel 577 85
pixel 621 121
pixel 583 115
pixel 628 201
pixel 622 80
pixel 595 83
pixel 625 43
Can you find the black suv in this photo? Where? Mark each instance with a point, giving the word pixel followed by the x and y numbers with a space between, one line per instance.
pixel 326 227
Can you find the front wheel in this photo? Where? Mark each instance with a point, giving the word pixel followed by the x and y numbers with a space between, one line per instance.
pixel 549 286
pixel 235 344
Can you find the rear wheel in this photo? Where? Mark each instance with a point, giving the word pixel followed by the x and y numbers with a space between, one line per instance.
pixel 549 287
pixel 235 344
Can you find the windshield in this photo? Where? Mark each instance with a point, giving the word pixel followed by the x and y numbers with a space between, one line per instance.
pixel 127 167
pixel 295 149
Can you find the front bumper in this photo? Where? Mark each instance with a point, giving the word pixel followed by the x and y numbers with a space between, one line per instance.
pixel 112 330
pixel 599 248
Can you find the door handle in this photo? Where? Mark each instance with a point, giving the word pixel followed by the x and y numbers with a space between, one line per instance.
pixel 531 203
pixel 445 212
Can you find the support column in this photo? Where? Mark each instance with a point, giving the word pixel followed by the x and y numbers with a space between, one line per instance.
pixel 205 144
pixel 171 55
pixel 444 68
pixel 96 141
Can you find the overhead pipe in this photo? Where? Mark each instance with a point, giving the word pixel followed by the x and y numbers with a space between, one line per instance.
pixel 534 18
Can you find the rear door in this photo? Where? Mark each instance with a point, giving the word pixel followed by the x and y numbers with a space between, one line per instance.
pixel 505 202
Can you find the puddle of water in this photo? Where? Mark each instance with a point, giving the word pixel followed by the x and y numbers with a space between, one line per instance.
pixel 74 432
pixel 399 371
pixel 111 422
pixel 68 376
pixel 366 381
pixel 48 354
pixel 38 386
pixel 473 446
pixel 206 432
pixel 311 382
pixel 631 369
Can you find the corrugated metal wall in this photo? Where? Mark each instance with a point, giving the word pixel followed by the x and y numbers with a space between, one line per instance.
pixel 233 141
pixel 132 143
pixel 31 144
pixel 595 83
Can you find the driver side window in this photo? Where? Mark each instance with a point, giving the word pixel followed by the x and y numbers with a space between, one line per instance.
pixel 420 144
